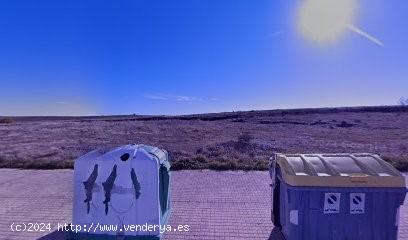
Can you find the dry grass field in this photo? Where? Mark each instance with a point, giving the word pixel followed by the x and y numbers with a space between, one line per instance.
pixel 221 141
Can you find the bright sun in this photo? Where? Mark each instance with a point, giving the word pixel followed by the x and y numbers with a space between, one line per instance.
pixel 325 21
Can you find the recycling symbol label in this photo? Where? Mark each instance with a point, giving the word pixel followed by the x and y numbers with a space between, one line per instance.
pixel 357 203
pixel 331 203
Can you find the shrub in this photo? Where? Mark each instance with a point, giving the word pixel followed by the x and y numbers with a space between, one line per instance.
pixel 345 124
pixel 6 120
pixel 243 143
pixel 200 159
pixel 399 162
pixel 223 165
pixel 187 164
pixel 245 138
pixel 37 164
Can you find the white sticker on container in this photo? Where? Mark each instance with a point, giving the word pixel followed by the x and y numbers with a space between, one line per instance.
pixel 357 203
pixel 331 203
pixel 294 217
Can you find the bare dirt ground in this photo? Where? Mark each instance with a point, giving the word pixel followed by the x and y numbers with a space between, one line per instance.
pixel 237 140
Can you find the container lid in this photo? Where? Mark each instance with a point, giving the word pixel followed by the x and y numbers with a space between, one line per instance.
pixel 131 149
pixel 338 170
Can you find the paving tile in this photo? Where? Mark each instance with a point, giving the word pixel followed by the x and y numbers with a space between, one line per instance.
pixel 215 205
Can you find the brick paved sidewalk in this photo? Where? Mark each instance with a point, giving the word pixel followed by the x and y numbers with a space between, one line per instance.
pixel 217 205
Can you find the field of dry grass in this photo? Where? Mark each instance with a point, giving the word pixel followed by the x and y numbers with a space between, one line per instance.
pixel 237 140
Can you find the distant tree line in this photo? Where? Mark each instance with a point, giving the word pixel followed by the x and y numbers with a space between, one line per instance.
pixel 403 101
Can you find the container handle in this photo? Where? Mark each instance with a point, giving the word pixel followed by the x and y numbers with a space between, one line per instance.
pixel 358 178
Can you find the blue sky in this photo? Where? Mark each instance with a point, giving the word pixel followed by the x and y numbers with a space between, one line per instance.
pixel 81 57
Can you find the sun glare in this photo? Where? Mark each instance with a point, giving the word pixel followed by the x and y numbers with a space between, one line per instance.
pixel 325 21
